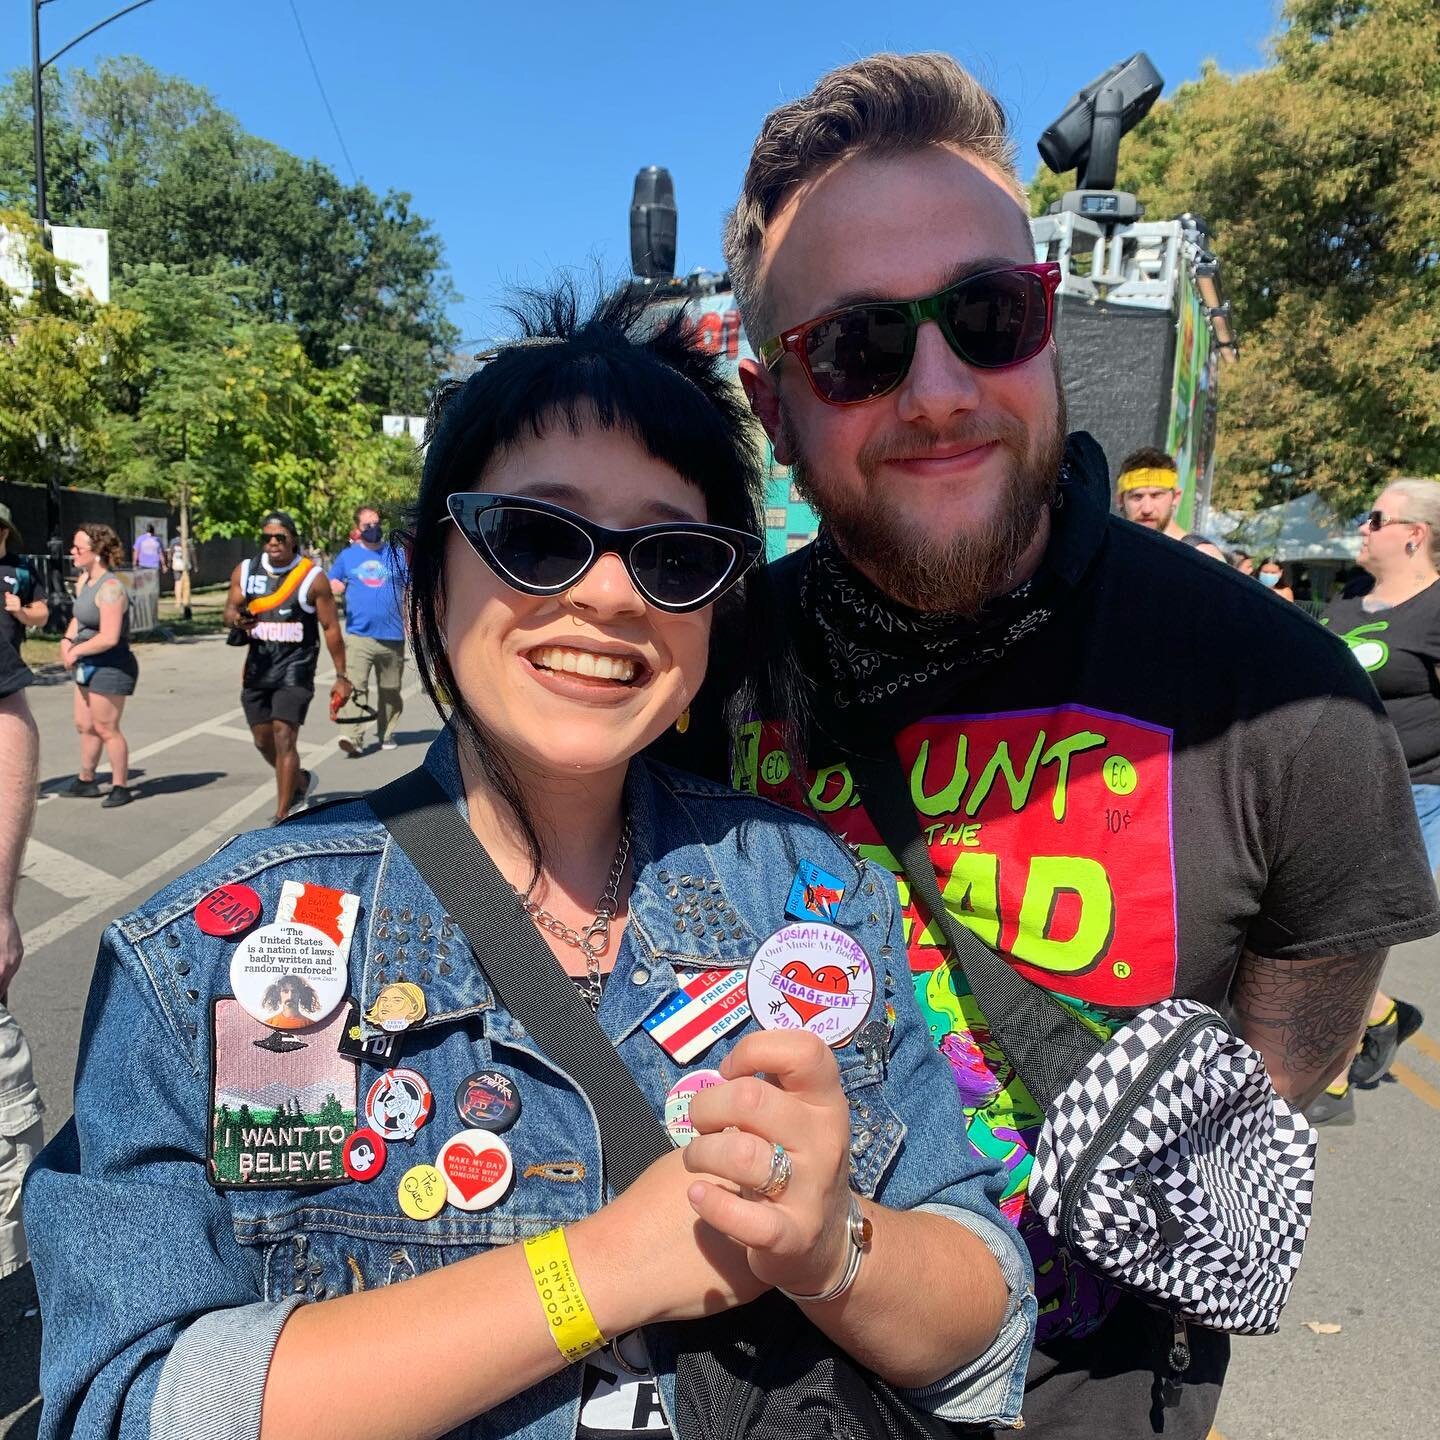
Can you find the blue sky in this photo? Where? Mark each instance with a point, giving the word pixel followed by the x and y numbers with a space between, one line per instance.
pixel 518 128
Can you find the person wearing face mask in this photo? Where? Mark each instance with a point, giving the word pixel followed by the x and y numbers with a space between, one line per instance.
pixel 232 1250
pixel 370 574
pixel 1274 576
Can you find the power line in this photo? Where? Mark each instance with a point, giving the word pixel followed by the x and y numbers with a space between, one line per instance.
pixel 320 86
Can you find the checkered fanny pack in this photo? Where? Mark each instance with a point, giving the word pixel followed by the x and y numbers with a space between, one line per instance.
pixel 1170 1165
pixel 1167 1162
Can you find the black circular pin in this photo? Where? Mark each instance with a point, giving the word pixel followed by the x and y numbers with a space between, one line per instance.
pixel 488 1100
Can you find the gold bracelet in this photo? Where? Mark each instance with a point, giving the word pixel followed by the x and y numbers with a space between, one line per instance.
pixel 572 1326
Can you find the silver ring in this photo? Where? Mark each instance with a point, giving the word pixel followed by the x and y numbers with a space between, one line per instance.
pixel 779 1176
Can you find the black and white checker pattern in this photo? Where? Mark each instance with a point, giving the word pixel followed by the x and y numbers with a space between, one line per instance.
pixel 1235 1163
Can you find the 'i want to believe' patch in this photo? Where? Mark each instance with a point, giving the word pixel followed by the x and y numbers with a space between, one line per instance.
pixel 282 1102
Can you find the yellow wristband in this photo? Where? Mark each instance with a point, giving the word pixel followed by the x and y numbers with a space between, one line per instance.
pixel 572 1326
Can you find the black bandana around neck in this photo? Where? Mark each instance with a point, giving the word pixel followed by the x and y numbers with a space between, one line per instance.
pixel 885 664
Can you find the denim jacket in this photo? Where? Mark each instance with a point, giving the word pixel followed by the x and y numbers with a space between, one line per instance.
pixel 164 1297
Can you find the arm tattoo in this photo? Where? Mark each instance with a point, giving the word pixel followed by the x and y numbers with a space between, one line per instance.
pixel 1304 1015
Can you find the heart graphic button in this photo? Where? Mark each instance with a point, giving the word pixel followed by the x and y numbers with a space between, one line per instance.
pixel 829 978
pixel 811 977
pixel 477 1168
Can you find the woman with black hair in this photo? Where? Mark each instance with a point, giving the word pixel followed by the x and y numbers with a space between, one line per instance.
pixel 221 1255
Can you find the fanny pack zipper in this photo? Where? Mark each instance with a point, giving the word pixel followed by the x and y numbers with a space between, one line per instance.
pixel 1115 1122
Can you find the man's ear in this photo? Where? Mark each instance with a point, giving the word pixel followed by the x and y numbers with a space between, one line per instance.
pixel 761 391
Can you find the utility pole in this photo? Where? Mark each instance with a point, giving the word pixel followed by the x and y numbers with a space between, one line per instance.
pixel 37 104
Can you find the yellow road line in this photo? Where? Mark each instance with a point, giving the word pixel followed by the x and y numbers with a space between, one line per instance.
pixel 1424 1044
pixel 1214 1435
pixel 1416 1086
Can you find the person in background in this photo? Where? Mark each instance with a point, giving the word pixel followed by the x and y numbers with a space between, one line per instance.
pixel 21 1135
pixel 182 566
pixel 96 648
pixel 370 574
pixel 1394 634
pixel 1242 562
pixel 149 552
pixel 280 603
pixel 1276 576
pixel 1148 491
pixel 18 584
pixel 1205 546
pixel 21 1131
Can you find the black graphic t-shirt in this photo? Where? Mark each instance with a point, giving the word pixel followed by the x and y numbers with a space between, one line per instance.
pixel 617 1403
pixel 1174 767
pixel 16 578
pixel 285 641
pixel 1398 646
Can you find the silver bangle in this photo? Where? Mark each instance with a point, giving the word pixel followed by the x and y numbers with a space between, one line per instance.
pixel 858 1231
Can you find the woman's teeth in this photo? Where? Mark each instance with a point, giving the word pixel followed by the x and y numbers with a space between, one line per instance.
pixel 584 662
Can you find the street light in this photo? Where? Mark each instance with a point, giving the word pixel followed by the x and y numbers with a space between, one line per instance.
pixel 38 67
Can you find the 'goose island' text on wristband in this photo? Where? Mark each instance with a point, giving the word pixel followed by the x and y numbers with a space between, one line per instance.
pixel 572 1326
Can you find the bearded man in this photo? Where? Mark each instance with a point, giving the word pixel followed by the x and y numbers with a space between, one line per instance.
pixel 1224 816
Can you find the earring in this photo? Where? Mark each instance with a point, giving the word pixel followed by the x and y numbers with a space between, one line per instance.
pixel 682 723
pixel 1410 547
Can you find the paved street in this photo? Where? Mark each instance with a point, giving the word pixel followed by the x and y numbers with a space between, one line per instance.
pixel 1372 1261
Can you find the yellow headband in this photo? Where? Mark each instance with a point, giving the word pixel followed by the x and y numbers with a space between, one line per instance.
pixel 1153 478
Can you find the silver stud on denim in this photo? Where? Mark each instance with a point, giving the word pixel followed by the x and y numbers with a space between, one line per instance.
pixel 639 976
pixel 446 967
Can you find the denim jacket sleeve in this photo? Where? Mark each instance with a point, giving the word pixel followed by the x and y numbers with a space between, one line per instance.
pixel 108 1188
pixel 937 1169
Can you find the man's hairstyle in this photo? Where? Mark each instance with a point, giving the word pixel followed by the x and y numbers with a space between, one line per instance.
pixel 362 509
pixel 1148 458
pixel 883 105
pixel 282 518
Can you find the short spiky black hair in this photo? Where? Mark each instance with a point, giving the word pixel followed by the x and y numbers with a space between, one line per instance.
pixel 620 366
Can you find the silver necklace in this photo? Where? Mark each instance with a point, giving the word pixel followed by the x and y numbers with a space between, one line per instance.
pixel 594 939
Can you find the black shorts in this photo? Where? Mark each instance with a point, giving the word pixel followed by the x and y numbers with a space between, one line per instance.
pixel 288 703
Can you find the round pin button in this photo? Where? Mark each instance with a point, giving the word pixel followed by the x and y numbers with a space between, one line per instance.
pixel 398 1104
pixel 228 910
pixel 477 1168
pixel 364 1155
pixel 811 977
pixel 488 1100
pixel 422 1192
pixel 677 1103
pixel 287 976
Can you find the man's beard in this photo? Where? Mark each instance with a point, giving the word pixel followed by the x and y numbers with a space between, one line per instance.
pixel 955 573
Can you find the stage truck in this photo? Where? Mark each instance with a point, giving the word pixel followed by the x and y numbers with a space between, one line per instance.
pixel 1140 322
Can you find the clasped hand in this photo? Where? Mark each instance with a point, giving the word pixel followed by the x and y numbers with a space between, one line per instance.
pixel 783 1088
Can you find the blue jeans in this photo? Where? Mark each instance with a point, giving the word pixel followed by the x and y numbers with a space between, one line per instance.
pixel 1427 807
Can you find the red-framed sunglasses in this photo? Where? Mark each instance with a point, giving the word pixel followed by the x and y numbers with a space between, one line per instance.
pixel 992 320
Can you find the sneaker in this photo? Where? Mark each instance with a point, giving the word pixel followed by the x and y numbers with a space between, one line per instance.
pixel 389 745
pixel 79 789
pixel 352 748
pixel 119 795
pixel 1332 1107
pixel 1382 1039
pixel 303 786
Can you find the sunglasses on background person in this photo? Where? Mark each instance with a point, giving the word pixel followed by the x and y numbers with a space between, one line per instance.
pixel 992 320
pixel 542 549
pixel 1378 520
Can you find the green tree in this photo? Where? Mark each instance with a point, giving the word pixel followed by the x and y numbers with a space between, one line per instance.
pixel 177 180
pixel 1320 178
pixel 63 360
pixel 227 416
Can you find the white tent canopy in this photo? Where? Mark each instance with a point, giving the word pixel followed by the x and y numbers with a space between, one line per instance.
pixel 1300 529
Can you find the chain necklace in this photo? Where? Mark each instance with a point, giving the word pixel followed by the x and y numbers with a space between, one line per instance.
pixel 594 939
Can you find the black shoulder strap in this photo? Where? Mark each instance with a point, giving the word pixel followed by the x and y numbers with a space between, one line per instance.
pixel 1043 1040
pixel 534 989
